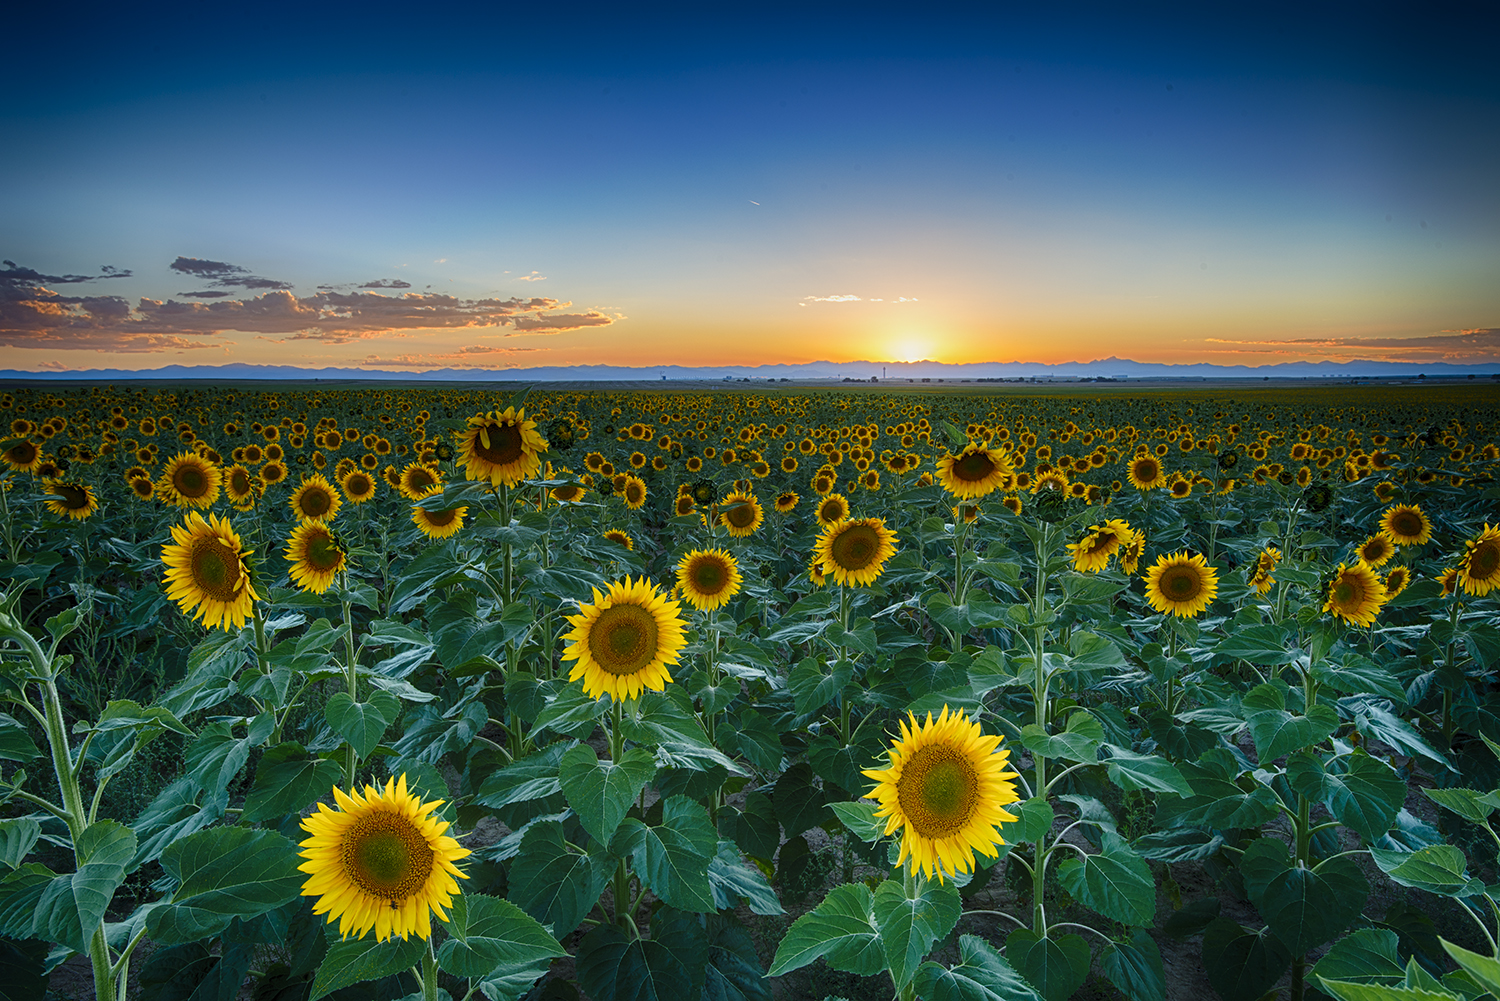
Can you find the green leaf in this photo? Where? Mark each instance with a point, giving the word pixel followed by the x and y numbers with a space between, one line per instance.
pixel 814 683
pixel 755 828
pixel 982 975
pixel 490 937
pixel 601 792
pixel 1090 651
pixel 1436 869
pixel 1264 644
pixel 224 873
pixel 357 960
pixel 860 820
pixel 799 803
pixel 612 967
pixel 23 970
pixel 731 879
pixel 1363 955
pixel 1349 991
pixel 1241 965
pixel 1308 907
pixel 1484 969
pixel 841 930
pixel 1116 882
pixel 17 837
pixel 1467 803
pixel 19 893
pixel 1277 732
pixel 554 882
pixel 1078 742
pixel 15 743
pixel 1357 676
pixel 1033 819
pixel 532 777
pixel 1130 770
pixel 1366 797
pixel 1135 967
pixel 910 925
pixel 734 971
pixel 286 780
pixel 755 738
pixel 673 858
pixel 362 724
pixel 1056 967
pixel 72 905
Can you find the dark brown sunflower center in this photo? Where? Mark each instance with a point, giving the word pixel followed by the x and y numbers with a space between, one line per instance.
pixel 709 576
pixel 1407 524
pixel 973 466
pixel 141 487
pixel 1484 560
pixel 314 502
pixel 499 444
pixel 324 554
pixel 419 480
pixel 1348 593
pixel 239 481
pixel 1146 470
pixel 216 569
pixel 439 519
pixel 741 515
pixel 634 493
pixel 359 485
pixel 832 512
pixel 22 453
pixel 1181 583
pixel 190 481
pixel 385 855
pixel 623 639
pixel 1374 550
pixel 74 497
pixel 938 791
pixel 566 492
pixel 855 547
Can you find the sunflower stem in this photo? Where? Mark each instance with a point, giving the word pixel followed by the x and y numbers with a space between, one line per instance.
pixel 351 678
pixel 429 974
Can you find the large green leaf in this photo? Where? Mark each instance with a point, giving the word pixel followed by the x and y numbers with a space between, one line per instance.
pixel 1308 907
pixel 910 925
pixel 224 873
pixel 286 780
pixel 814 683
pixel 1484 969
pixel 72 905
pixel 734 971
pixel 1264 644
pixel 798 802
pixel 1277 732
pixel 1135 967
pixel 554 882
pixel 1365 796
pixel 1079 740
pixel 490 937
pixel 1130 770
pixel 673 858
pixel 1242 965
pixel 840 930
pixel 1346 990
pixel 1056 967
pixel 982 975
pixel 601 791
pixel 532 777
pixel 362 724
pixel 730 879
pixel 1469 804
pixel 1364 955
pixel 23 970
pixel 1436 869
pixel 1116 882
pixel 17 836
pixel 357 960
pixel 613 967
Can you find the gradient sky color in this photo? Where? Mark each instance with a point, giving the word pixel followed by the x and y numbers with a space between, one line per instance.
pixel 514 186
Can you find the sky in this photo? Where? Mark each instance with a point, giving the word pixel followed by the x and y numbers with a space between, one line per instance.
pixel 556 184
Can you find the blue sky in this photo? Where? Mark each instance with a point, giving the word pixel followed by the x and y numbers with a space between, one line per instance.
pixel 512 186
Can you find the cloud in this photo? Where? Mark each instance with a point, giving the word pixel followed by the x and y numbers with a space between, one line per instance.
pixel 222 275
pixel 831 298
pixel 386 283
pixel 206 295
pixel 1478 344
pixel 559 322
pixel 14 274
pixel 535 276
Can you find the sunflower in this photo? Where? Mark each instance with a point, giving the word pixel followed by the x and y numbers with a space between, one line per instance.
pixel 142 488
pixel 1355 594
pixel 315 499
pixel 501 446
pixel 967 513
pixel 206 573
pixel 974 472
pixel 1448 581
pixel 854 552
pixel 634 493
pixel 568 493
pixel 684 505
pixel 71 500
pixel 624 641
pixel 440 523
pixel 1181 584
pixel 417 479
pixel 1145 473
pixel 22 456
pixel 274 472
pixel 832 510
pixel 1053 481
pixel 1091 553
pixel 815 572
pixel 1406 525
pixel 944 791
pixel 380 861
pixel 189 481
pixel 1265 565
pixel 741 514
pixel 1012 504
pixel 359 486
pixel 1131 550
pixel 1479 568
pixel 1396 579
pixel 786 501
pixel 316 556
pixel 1377 549
pixel 708 578
pixel 620 537
pixel 1180 487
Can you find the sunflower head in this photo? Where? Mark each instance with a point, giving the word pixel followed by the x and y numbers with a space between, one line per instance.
pixel 502 447
pixel 1355 594
pixel 438 523
pixel 634 493
pixel 943 790
pixel 1091 553
pixel 1182 585
pixel 382 861
pixel 71 499
pixel 620 537
pixel 786 501
pixel 191 481
pixel 417 479
pixel 1377 549
pixel 1265 565
pixel 1479 568
pixel 22 456
pixel 974 472
pixel 832 509
pixel 1145 473
pixel 359 485
pixel 206 572
pixel 741 514
pixel 624 641
pixel 854 551
pixel 1396 579
pixel 315 499
pixel 708 578
pixel 316 555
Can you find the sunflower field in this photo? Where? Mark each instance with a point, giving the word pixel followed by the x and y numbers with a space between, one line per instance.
pixel 749 694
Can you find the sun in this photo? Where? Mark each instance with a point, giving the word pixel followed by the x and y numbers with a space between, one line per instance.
pixel 912 347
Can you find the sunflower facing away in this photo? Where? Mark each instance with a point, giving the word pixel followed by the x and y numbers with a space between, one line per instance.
pixel 708 578
pixel 71 500
pixel 624 641
pixel 1479 568
pixel 315 499
pixel 832 510
pixel 1181 584
pixel 316 556
pixel 741 514
pixel 1406 525
pixel 1265 565
pixel 974 472
pixel 501 446
pixel 381 861
pixel 854 552
pixel 944 791
pixel 1355 594
pixel 206 572
pixel 189 480
pixel 1145 473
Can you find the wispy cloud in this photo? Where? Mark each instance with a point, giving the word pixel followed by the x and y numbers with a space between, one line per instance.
pixel 558 322
pixel 1478 344
pixel 535 276
pixel 848 298
pixel 222 275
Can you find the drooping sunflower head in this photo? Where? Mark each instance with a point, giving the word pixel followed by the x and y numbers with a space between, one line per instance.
pixel 1396 579
pixel 1448 581
pixel 974 472
pixel 502 447
pixel 359 485
pixel 708 578
pixel 438 522
pixel 382 861
pixel 1145 473
pixel 1406 524
pixel 1377 549
pixel 944 791
pixel 1131 550
pixel 1181 585
pixel 741 514
pixel 1479 568
pixel 189 480
pixel 206 572
pixel 624 641
pixel 634 493
pixel 967 513
pixel 315 499
pixel 1355 594
pixel 854 551
pixel 316 555
pixel 832 509
pixel 71 499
